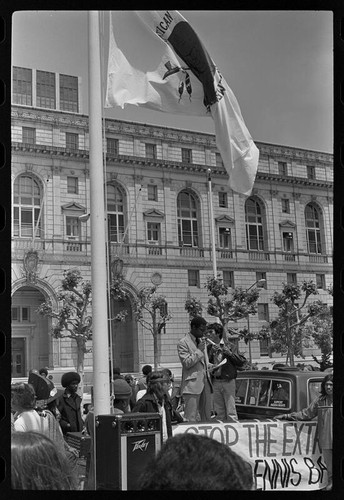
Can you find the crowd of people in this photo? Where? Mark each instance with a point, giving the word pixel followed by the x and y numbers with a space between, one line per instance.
pixel 42 419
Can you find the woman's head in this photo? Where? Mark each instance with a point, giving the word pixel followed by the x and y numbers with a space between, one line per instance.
pixel 23 397
pixel 327 385
pixel 37 464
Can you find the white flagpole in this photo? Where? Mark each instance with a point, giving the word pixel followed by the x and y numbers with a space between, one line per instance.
pixel 101 382
pixel 212 230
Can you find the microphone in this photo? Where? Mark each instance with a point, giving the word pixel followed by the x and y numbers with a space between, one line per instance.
pixel 210 341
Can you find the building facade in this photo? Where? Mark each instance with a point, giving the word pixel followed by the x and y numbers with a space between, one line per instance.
pixel 158 221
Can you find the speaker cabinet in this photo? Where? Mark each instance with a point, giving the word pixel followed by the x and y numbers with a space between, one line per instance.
pixel 123 446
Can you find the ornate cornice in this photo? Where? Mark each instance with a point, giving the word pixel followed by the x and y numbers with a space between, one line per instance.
pixel 83 155
pixel 73 206
pixel 224 219
pixel 287 224
pixel 168 134
pixel 153 212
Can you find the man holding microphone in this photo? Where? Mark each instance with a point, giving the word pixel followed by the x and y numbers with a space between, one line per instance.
pixel 196 386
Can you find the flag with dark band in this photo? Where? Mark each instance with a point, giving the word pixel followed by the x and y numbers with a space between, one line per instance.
pixel 177 75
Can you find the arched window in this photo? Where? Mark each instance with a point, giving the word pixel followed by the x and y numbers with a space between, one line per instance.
pixel 115 213
pixel 313 228
pixel 27 199
pixel 254 225
pixel 187 214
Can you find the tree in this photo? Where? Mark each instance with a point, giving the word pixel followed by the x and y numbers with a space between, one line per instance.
pixel 320 329
pixel 72 319
pixel 287 333
pixel 225 304
pixel 193 307
pixel 152 313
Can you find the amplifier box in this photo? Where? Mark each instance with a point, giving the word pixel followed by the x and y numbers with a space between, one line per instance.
pixel 79 441
pixel 124 444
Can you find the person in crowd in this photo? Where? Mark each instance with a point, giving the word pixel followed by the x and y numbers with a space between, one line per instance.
pixel 122 394
pixel 173 391
pixel 37 464
pixel 31 403
pixel 142 382
pixel 23 404
pixel 196 386
pixel 69 404
pixel 43 371
pixel 223 378
pixel 134 389
pixel 196 462
pixel 321 407
pixel 46 406
pixel 156 400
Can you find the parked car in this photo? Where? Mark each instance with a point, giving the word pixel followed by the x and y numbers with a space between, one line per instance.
pixel 267 393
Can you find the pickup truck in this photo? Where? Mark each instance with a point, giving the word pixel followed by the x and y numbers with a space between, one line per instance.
pixel 262 394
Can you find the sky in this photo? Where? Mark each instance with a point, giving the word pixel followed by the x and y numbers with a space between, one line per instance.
pixel 279 64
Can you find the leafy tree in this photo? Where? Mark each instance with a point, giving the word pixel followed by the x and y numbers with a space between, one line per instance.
pixel 152 313
pixel 225 304
pixel 320 329
pixel 72 319
pixel 193 307
pixel 287 333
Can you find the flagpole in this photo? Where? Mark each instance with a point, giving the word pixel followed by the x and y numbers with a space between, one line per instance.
pixel 212 231
pixel 101 382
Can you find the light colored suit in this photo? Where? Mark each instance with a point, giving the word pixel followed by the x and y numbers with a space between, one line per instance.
pixel 195 380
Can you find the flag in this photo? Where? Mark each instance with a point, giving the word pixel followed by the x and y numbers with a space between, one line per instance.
pixel 157 61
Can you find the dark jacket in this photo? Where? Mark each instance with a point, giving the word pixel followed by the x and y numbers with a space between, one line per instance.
pixel 148 404
pixel 228 371
pixel 71 420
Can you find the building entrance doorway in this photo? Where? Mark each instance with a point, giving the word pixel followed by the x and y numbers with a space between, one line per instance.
pixel 31 340
pixel 124 338
pixel 18 361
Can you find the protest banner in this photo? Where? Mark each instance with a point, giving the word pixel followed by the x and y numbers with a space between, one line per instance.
pixel 283 455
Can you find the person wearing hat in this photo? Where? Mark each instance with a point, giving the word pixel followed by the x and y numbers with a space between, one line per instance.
pixel 156 400
pixel 46 400
pixel 28 399
pixel 69 404
pixel 122 393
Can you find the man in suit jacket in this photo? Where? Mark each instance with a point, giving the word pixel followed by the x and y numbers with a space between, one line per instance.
pixel 196 385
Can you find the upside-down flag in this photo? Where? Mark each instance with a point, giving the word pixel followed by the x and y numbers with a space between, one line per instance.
pixel 157 61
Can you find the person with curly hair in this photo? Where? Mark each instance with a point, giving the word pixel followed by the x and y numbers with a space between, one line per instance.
pixel 321 407
pixel 37 464
pixel 196 462
pixel 69 404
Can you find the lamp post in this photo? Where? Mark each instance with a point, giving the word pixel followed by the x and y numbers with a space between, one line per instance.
pixel 262 280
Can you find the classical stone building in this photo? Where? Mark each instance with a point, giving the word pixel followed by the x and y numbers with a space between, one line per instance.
pixel 158 219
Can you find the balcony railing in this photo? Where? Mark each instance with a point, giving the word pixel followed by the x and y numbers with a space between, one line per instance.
pixel 191 252
pixel 289 257
pixel 258 255
pixel 318 259
pixel 81 249
pixel 224 254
